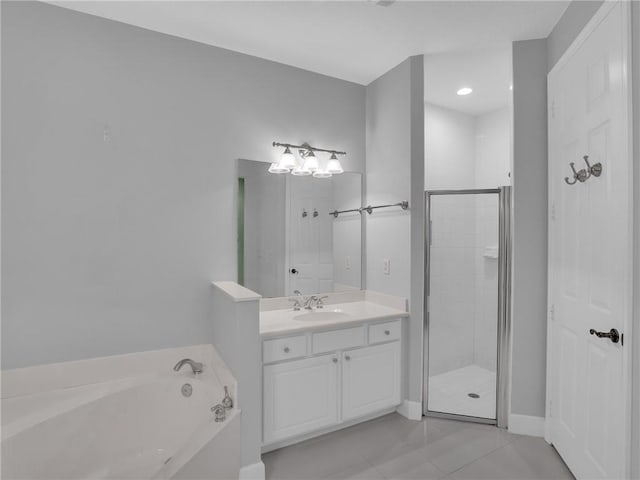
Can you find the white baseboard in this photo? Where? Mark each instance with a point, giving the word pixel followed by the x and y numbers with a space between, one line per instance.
pixel 410 410
pixel 526 425
pixel 255 471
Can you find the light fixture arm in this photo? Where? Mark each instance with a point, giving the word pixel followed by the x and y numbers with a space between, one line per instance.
pixel 307 147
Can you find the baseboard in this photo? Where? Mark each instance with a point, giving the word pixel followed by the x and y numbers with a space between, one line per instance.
pixel 410 410
pixel 333 428
pixel 526 425
pixel 255 471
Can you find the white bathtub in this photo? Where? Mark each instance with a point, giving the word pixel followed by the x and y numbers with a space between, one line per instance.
pixel 141 427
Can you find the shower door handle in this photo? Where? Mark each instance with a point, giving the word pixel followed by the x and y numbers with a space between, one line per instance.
pixel 612 334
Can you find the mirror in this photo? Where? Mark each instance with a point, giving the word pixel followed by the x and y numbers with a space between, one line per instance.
pixel 288 237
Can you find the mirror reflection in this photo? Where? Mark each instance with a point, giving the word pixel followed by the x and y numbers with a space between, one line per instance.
pixel 288 237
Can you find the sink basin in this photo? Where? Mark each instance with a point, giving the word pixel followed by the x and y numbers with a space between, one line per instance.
pixel 324 316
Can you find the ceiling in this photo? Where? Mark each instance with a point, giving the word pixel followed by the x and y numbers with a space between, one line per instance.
pixel 355 40
pixel 487 72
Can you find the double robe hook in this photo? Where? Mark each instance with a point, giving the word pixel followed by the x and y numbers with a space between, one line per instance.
pixel 584 174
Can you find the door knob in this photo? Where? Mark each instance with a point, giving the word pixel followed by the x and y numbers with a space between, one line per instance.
pixel 612 334
pixel 293 271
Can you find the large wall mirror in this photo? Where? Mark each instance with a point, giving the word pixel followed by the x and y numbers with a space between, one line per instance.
pixel 289 237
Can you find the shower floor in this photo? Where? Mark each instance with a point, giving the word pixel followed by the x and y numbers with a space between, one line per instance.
pixel 449 392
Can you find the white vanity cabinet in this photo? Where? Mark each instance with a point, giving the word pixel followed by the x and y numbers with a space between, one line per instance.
pixel 370 379
pixel 299 396
pixel 345 374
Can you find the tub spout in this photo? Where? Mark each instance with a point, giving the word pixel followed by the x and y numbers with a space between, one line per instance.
pixel 196 367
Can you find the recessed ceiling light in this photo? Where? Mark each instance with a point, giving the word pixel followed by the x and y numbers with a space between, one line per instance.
pixel 465 91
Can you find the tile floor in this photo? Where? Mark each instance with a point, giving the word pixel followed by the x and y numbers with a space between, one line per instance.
pixel 449 392
pixel 392 447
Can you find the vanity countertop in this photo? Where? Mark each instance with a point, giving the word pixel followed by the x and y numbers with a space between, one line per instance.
pixel 286 321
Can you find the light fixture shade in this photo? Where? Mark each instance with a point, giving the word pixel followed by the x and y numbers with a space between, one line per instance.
pixel 322 174
pixel 287 160
pixel 310 162
pixel 333 165
pixel 277 168
pixel 301 172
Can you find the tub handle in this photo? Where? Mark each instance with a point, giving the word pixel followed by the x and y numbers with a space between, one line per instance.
pixel 220 411
pixel 227 402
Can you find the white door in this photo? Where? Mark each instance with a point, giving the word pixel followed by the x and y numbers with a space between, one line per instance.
pixel 370 379
pixel 590 250
pixel 299 397
pixel 310 267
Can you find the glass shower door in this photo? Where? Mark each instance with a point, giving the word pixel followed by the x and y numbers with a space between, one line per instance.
pixel 463 302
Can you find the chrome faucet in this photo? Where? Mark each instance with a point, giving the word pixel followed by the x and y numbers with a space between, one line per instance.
pixel 297 302
pixel 310 302
pixel 196 367
pixel 319 301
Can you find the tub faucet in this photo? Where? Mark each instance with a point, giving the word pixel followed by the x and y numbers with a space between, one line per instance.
pixel 196 367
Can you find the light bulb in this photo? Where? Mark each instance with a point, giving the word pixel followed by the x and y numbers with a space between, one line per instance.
pixel 464 91
pixel 333 165
pixel 287 160
pixel 310 162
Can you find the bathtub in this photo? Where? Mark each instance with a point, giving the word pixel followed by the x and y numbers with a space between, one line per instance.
pixel 141 427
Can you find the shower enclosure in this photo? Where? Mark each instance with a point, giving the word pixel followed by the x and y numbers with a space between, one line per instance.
pixel 467 289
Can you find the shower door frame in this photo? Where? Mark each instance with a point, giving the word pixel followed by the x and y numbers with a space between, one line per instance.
pixel 504 305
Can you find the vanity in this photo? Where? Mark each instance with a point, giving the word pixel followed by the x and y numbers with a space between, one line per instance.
pixel 325 368
pixel 340 360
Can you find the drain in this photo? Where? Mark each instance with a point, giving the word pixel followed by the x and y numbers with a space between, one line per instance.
pixel 473 395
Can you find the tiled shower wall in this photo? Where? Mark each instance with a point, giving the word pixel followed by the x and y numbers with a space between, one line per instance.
pixel 486 279
pixel 464 152
pixel 463 290
pixel 452 293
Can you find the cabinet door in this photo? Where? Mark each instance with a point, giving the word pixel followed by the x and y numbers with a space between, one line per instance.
pixel 370 379
pixel 299 397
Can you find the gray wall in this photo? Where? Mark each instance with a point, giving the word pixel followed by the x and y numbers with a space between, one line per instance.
pixel 394 172
pixel 108 246
pixel 529 174
pixel 416 298
pixel 635 440
pixel 571 23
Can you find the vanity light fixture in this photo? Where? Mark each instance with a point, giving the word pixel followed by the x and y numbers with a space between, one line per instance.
pixel 309 164
pixel 333 165
pixel 464 91
pixel 310 161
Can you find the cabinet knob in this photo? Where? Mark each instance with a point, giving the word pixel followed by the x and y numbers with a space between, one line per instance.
pixel 387 332
pixel 347 358
pixel 334 360
pixel 286 350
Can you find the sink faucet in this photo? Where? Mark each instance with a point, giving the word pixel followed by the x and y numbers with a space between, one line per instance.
pixel 298 301
pixel 310 302
pixel 196 367
pixel 319 303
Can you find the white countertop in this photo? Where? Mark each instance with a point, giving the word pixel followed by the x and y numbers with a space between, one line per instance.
pixel 286 321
